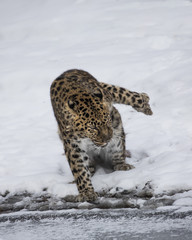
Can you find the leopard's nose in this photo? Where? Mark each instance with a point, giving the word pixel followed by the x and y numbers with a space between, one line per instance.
pixel 105 134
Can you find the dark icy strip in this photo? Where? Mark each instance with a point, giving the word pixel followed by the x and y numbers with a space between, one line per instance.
pixel 118 198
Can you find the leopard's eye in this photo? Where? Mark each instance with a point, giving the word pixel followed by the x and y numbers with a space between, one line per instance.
pixel 91 126
pixel 71 104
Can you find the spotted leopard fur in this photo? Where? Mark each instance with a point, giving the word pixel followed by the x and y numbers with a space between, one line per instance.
pixel 90 126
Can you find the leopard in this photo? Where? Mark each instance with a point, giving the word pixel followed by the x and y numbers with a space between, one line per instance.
pixel 89 125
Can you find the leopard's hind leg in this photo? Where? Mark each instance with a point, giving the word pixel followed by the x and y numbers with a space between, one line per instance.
pixel 117 148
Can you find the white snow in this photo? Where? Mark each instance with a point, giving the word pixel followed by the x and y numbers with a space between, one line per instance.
pixel 143 46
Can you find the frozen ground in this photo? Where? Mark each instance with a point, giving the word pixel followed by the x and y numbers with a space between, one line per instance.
pixel 144 46
pixel 96 225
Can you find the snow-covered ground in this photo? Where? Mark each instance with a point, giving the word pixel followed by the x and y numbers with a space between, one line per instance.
pixel 97 224
pixel 142 45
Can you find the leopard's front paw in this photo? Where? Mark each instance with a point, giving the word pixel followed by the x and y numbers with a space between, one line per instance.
pixel 145 107
pixel 87 196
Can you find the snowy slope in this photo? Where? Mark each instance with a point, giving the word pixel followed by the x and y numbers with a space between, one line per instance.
pixel 142 45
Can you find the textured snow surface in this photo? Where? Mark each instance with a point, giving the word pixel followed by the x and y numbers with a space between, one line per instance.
pixel 144 46
pixel 97 224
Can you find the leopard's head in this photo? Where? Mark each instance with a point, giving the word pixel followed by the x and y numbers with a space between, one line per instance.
pixel 90 113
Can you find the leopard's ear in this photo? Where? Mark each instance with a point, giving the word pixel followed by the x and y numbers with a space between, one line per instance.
pixel 97 93
pixel 71 104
